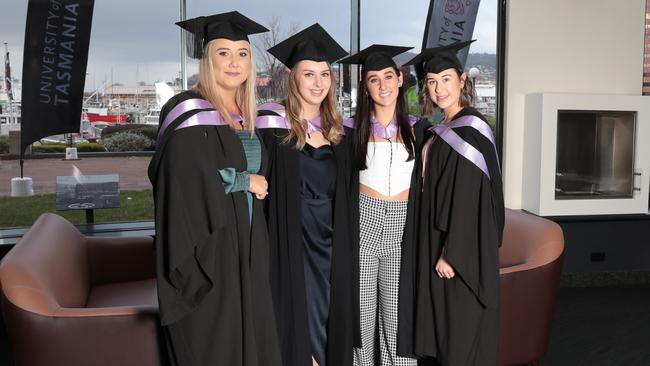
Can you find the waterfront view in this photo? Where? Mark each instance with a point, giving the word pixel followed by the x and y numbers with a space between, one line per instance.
pixel 133 69
pixel 136 108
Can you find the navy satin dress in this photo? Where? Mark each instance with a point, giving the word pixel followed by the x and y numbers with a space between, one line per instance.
pixel 318 173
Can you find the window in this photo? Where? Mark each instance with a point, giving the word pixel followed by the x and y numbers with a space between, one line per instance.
pixel 130 51
pixel 410 28
pixel 646 54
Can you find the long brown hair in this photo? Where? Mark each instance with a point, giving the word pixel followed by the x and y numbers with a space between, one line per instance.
pixel 428 106
pixel 245 97
pixel 331 120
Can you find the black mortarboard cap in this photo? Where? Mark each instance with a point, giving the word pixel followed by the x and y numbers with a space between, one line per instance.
pixel 312 43
pixel 232 25
pixel 438 59
pixel 376 57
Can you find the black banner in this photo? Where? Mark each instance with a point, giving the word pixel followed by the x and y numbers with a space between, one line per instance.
pixel 450 21
pixel 54 67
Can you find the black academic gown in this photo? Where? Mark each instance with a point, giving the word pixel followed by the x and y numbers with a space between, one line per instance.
pixel 454 320
pixel 283 210
pixel 212 268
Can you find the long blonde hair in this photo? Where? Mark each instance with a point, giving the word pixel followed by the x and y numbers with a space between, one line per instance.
pixel 331 120
pixel 245 97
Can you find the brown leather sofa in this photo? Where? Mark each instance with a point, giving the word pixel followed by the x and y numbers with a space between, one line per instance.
pixel 530 264
pixel 68 299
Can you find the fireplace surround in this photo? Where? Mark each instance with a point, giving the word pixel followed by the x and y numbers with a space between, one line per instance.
pixel 586 154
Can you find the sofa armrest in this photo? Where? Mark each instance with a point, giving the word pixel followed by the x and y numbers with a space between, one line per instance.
pixel 106 311
pixel 121 259
pixel 540 255
pixel 121 338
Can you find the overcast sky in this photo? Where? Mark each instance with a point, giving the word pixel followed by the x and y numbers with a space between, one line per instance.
pixel 136 40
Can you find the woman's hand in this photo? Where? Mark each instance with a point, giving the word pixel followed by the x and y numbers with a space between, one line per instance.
pixel 258 186
pixel 444 269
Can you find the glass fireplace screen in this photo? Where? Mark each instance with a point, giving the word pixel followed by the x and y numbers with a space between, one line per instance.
pixel 595 154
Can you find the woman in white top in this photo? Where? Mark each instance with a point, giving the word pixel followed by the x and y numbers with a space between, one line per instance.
pixel 384 147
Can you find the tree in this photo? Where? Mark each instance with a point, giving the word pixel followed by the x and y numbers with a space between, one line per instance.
pixel 192 80
pixel 269 67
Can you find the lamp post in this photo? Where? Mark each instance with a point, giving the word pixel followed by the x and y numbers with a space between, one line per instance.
pixel 473 74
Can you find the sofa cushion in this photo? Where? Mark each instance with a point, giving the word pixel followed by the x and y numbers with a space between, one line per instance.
pixel 133 293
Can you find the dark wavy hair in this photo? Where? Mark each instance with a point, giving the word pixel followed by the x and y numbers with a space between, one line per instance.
pixel 362 119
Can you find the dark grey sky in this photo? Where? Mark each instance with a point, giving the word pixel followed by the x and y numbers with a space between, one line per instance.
pixel 136 40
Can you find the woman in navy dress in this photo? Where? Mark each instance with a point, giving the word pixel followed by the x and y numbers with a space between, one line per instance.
pixel 312 254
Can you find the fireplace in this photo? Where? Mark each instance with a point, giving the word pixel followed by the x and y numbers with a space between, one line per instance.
pixel 586 154
pixel 595 154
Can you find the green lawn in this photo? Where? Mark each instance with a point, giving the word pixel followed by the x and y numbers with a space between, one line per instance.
pixel 23 211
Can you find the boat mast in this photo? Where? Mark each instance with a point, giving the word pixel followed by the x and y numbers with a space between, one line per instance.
pixel 7 79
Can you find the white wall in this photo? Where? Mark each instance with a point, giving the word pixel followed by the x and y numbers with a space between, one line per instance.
pixel 566 46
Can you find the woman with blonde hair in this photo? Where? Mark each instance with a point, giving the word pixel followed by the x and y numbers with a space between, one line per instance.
pixel 211 239
pixel 312 254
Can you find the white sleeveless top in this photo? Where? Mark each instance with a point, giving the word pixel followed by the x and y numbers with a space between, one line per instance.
pixel 388 171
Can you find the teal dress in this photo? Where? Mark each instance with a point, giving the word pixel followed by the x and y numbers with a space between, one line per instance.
pixel 212 266
pixel 234 181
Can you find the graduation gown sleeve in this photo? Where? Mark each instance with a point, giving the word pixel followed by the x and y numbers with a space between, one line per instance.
pixel 188 218
pixel 408 255
pixel 468 209
pixel 282 208
pixel 458 206
pixel 212 261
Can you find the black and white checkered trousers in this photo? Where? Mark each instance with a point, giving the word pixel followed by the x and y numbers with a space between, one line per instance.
pixel 381 227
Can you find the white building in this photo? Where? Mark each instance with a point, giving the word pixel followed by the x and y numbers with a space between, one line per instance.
pixel 486 98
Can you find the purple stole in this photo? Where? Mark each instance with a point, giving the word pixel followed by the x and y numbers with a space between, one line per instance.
pixel 378 130
pixel 389 131
pixel 280 121
pixel 446 132
pixel 349 122
pixel 207 115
